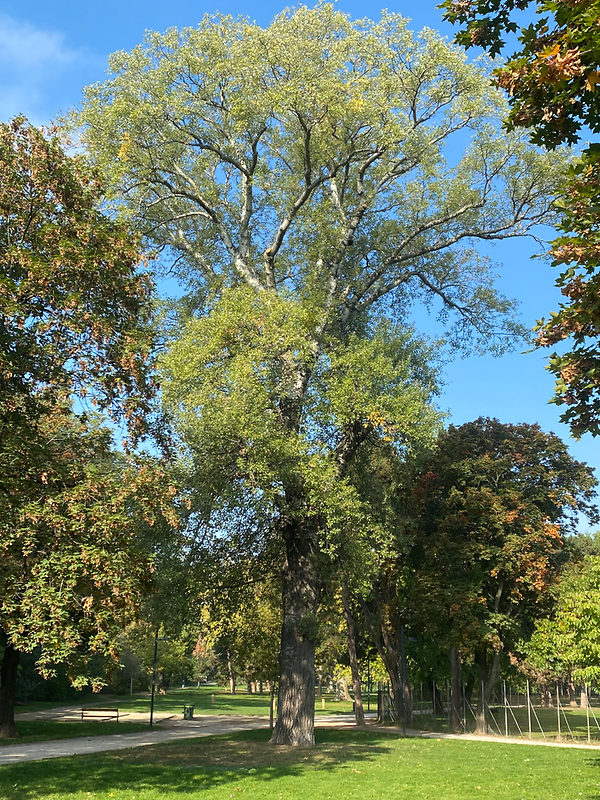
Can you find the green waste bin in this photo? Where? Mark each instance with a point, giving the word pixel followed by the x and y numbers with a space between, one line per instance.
pixel 188 712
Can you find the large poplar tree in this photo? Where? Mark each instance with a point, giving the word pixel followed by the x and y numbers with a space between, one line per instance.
pixel 302 178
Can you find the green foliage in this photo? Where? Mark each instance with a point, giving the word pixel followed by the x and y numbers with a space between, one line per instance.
pixel 72 567
pixel 242 624
pixel 569 642
pixel 75 308
pixel 75 321
pixel 552 86
pixel 298 174
pixel 552 79
pixel 493 505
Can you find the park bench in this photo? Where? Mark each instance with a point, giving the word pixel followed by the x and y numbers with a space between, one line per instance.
pixel 101 713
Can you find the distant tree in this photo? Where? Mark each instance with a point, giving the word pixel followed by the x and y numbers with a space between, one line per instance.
pixel 492 508
pixel 568 642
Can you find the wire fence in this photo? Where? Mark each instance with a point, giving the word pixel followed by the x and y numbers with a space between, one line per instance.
pixel 522 711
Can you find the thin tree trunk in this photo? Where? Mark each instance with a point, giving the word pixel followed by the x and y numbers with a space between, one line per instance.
pixel 359 712
pixel 388 655
pixel 572 695
pixel 481 723
pixel 8 687
pixel 231 673
pixel 455 695
pixel 296 700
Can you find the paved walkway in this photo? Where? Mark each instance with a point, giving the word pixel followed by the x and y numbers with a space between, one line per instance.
pixel 169 731
pixel 174 729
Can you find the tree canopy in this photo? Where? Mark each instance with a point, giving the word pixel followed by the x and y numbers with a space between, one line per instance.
pixel 551 84
pixel 298 176
pixel 75 314
pixel 493 505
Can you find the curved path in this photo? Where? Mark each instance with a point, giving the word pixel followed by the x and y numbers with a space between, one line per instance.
pixel 169 730
pixel 206 726
pixel 173 729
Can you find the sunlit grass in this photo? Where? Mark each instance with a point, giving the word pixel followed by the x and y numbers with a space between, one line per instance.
pixel 345 765
pixel 208 700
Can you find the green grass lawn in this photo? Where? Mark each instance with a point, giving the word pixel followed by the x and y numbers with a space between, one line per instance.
pixel 202 699
pixel 573 723
pixel 81 699
pixel 345 765
pixel 41 730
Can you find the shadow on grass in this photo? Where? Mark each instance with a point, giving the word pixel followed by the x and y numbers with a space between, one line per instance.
pixel 46 730
pixel 189 766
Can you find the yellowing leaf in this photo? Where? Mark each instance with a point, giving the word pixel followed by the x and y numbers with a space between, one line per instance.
pixel 592 79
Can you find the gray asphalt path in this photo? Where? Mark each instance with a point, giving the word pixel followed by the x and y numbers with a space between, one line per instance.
pixel 175 729
pixel 203 726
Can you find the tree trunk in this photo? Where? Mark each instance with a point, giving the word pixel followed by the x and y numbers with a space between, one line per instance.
pixel 481 722
pixel 343 693
pixel 572 695
pixel 584 702
pixel 296 700
pixel 231 673
pixel 546 696
pixel 8 686
pixel 386 650
pixel 359 712
pixel 455 698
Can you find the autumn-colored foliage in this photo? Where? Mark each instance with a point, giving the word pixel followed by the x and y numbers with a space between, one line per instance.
pixel 75 318
pixel 552 79
pixel 551 84
pixel 492 507
pixel 74 310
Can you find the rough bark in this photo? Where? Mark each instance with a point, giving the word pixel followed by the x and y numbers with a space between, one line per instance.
pixel 455 697
pixel 296 699
pixel 546 697
pixel 359 712
pixel 8 686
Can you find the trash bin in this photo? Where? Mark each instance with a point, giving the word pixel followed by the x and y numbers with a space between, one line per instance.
pixel 188 712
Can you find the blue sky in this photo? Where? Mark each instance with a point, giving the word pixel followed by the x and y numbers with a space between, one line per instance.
pixel 49 51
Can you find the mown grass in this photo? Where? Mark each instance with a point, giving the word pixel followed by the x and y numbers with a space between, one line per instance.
pixel 81 699
pixel 213 700
pixel 544 723
pixel 42 730
pixel 345 765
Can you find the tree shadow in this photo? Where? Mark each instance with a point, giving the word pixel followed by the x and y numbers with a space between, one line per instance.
pixel 191 765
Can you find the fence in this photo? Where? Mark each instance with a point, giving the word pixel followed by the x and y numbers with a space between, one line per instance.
pixel 512 711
